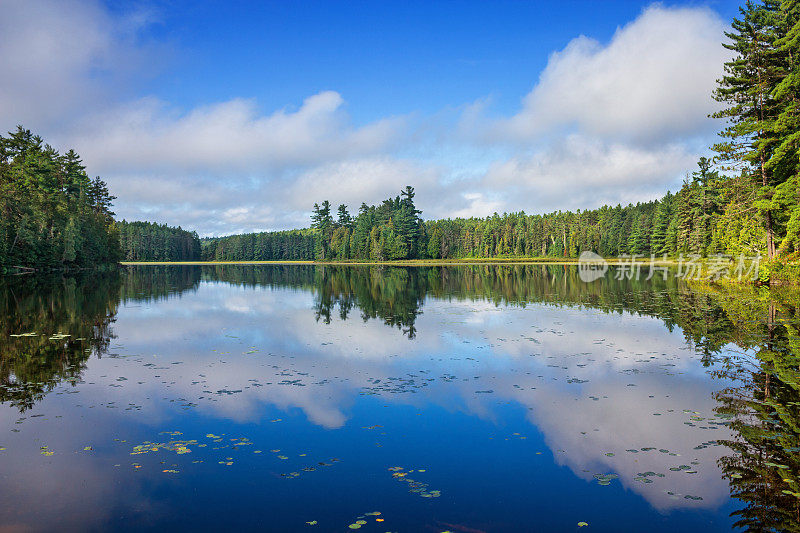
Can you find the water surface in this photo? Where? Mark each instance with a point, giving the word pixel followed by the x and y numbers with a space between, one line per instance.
pixel 474 398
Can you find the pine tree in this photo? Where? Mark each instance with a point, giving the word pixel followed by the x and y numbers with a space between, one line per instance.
pixel 46 220
pixel 785 161
pixel 661 225
pixel 323 223
pixel 435 243
pixel 344 220
pixel 408 222
pixel 747 89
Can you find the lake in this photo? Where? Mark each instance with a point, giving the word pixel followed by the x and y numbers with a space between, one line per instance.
pixel 462 399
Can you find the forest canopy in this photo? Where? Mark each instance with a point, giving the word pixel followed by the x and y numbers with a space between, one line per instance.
pixel 147 241
pixel 53 214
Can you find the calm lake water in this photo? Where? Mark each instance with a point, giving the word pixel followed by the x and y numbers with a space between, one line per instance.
pixel 463 399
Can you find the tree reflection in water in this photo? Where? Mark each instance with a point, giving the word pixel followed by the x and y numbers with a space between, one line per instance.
pixel 747 336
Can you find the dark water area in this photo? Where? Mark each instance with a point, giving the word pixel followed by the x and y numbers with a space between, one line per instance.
pixel 462 399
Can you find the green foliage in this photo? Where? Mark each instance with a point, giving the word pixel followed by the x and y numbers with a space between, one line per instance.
pixel 322 221
pixel 146 241
pixel 760 89
pixel 52 214
pixel 295 245
pixel 710 214
pixel 83 305
pixel 390 231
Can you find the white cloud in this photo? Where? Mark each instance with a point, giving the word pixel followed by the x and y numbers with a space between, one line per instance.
pixel 580 172
pixel 278 200
pixel 62 58
pixel 652 81
pixel 606 123
pixel 370 180
pixel 228 137
pixel 478 204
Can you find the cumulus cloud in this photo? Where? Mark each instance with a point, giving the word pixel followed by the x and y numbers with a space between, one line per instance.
pixel 62 58
pixel 580 172
pixel 228 137
pixel 368 179
pixel 277 199
pixel 605 123
pixel 476 204
pixel 651 82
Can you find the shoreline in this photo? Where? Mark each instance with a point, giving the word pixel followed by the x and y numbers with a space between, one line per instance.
pixel 788 274
pixel 408 262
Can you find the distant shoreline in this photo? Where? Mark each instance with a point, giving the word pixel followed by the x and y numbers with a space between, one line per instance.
pixel 412 262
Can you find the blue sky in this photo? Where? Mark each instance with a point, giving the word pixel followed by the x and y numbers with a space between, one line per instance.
pixel 390 58
pixel 236 116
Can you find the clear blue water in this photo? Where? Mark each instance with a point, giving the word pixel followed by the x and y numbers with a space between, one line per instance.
pixel 522 402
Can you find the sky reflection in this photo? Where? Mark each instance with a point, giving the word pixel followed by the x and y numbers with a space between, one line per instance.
pixel 594 392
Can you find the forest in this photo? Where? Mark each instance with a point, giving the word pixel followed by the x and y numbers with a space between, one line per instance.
pixel 55 217
pixel 292 245
pixel 147 241
pixel 53 214
pixel 705 217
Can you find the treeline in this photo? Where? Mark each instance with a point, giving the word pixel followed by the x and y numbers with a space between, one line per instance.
pixel 704 217
pixel 293 245
pixel 389 231
pixel 55 216
pixel 707 216
pixel 146 241
pixel 746 200
pixel 52 215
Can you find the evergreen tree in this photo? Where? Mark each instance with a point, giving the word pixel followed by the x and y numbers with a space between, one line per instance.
pixel 747 88
pixel 53 216
pixel 785 162
pixel 344 220
pixel 146 241
pixel 323 222
pixel 661 225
